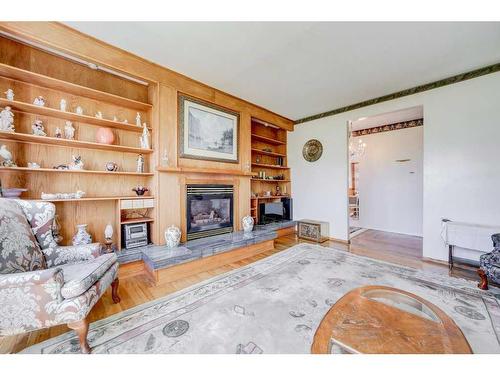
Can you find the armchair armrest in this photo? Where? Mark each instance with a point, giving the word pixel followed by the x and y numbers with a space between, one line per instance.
pixel 32 279
pixel 55 256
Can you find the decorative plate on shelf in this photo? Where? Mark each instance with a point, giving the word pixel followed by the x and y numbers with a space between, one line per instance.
pixel 312 150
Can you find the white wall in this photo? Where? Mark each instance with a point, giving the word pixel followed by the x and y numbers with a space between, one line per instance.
pixel 461 158
pixel 390 192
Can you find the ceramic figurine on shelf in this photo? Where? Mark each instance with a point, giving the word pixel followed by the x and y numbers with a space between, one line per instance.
pixel 7 120
pixel 56 229
pixel 33 165
pixel 77 163
pixel 138 119
pixel 7 157
pixel 82 237
pixel 145 137
pixel 62 167
pixel 9 94
pixel 98 114
pixel 111 166
pixel 247 223
pixel 79 110
pixel 69 130
pixel 58 133
pixel 115 119
pixel 172 236
pixel 38 128
pixel 140 164
pixel 62 105
pixel 108 232
pixel 125 121
pixel 39 101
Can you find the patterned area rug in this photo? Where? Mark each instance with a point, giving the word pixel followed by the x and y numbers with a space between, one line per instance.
pixel 275 306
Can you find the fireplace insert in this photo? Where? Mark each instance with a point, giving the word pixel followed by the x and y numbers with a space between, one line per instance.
pixel 209 210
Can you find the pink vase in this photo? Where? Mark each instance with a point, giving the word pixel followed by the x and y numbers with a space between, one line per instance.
pixel 105 135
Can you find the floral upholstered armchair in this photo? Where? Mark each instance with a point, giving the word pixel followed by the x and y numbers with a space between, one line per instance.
pixel 43 284
pixel 489 264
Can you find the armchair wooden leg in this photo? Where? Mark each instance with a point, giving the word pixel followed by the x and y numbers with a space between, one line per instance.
pixel 483 284
pixel 114 291
pixel 81 328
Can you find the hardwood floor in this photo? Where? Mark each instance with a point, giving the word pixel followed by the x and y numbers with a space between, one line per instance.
pixel 138 288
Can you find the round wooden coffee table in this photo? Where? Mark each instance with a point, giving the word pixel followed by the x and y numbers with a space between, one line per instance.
pixel 380 319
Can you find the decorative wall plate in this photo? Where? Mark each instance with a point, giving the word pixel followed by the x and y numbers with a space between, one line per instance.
pixel 312 150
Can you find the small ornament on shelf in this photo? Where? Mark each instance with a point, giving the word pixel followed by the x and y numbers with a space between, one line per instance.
pixel 9 94
pixel 62 105
pixel 7 157
pixel 39 101
pixel 62 167
pixel 79 110
pixel 144 137
pixel 58 133
pixel 125 121
pixel 138 120
pixel 115 119
pixel 82 237
pixel 69 130
pixel 140 163
pixel 38 128
pixel 140 190
pixel 7 120
pixel 98 115
pixel 33 165
pixel 105 135
pixel 111 166
pixel 50 196
pixel 108 232
pixel 77 163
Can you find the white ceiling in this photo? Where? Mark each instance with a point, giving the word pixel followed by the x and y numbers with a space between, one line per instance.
pixel 299 69
pixel 407 114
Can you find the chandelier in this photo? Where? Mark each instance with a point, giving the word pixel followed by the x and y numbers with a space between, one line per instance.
pixel 356 149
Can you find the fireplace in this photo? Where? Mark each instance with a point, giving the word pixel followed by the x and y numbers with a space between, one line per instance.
pixel 209 210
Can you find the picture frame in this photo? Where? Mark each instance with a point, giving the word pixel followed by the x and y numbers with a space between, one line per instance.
pixel 207 131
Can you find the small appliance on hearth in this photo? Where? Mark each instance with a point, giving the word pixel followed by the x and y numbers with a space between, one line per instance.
pixel 135 235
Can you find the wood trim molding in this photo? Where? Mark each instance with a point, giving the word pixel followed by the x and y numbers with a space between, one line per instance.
pixel 414 90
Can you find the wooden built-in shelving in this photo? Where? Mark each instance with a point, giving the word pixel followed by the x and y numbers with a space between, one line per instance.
pixel 270 181
pixel 268 153
pixel 272 141
pixel 28 77
pixel 233 172
pixel 95 199
pixel 269 166
pixel 85 171
pixel 137 220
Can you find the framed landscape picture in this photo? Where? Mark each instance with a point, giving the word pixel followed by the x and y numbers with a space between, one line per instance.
pixel 207 131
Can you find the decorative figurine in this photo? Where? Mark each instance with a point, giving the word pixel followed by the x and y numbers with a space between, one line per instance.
pixel 9 94
pixel 77 163
pixel 79 194
pixel 69 130
pixel 247 223
pixel 39 101
pixel 82 237
pixel 33 165
pixel 144 137
pixel 79 110
pixel 7 157
pixel 38 128
pixel 104 135
pixel 140 190
pixel 62 167
pixel 125 121
pixel 108 232
pixel 56 229
pixel 115 119
pixel 7 120
pixel 172 236
pixel 138 119
pixel 140 164
pixel 111 166
pixel 62 105
pixel 98 114
pixel 58 133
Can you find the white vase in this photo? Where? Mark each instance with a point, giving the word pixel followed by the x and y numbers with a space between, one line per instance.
pixel 172 236
pixel 82 237
pixel 247 223
pixel 108 232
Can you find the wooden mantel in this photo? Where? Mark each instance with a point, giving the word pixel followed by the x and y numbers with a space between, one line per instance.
pixel 231 172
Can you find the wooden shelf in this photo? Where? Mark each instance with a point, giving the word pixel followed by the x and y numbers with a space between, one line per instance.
pixel 268 153
pixel 234 172
pixel 26 76
pixel 85 171
pixel 271 197
pixel 51 112
pixel 270 181
pixel 269 166
pixel 30 138
pixel 137 220
pixel 267 140
pixel 95 199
